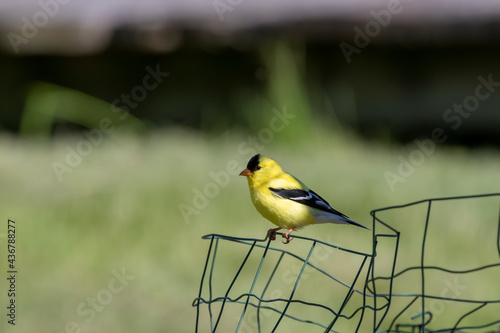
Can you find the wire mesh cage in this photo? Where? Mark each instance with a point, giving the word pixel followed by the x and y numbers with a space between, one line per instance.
pixel 438 272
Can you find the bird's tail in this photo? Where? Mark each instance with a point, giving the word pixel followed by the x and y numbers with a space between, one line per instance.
pixel 355 223
pixel 328 218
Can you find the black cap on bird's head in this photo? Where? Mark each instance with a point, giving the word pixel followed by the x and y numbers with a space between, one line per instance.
pixel 253 163
pixel 252 166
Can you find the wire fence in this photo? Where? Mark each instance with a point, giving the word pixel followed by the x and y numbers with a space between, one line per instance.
pixel 423 280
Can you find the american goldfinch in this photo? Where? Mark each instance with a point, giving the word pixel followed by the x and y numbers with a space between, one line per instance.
pixel 286 201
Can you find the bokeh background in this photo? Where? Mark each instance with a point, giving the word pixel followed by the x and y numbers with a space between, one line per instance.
pixel 124 124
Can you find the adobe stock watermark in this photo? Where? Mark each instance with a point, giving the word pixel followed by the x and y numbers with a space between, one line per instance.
pixel 363 37
pixel 97 303
pixel 221 179
pixel 94 137
pixel 223 6
pixel 454 118
pixel 452 289
pixel 30 25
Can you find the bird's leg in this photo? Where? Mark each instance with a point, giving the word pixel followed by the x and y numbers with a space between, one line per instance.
pixel 271 233
pixel 286 236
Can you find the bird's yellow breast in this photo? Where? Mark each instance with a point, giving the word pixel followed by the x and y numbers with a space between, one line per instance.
pixel 283 213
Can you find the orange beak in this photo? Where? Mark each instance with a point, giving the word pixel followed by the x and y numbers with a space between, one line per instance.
pixel 246 173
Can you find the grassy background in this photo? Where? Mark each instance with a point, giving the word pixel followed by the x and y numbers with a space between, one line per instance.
pixel 119 210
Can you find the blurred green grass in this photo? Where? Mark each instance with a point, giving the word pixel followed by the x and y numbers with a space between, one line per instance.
pixel 119 209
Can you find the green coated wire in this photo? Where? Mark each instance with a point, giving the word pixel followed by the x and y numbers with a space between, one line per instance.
pixel 232 284
pixel 268 283
pixel 295 286
pixel 348 296
pixel 251 288
pixel 201 284
pixel 210 292
pixel 422 270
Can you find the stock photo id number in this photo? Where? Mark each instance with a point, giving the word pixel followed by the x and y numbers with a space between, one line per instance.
pixel 11 272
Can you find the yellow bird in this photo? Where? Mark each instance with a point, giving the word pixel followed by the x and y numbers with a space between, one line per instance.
pixel 286 201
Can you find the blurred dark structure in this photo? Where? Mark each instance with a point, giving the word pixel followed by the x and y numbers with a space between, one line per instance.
pixel 397 69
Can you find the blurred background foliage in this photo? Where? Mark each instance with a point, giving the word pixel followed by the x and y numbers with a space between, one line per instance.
pixel 99 180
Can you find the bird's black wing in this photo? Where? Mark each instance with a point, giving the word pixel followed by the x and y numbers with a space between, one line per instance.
pixel 308 198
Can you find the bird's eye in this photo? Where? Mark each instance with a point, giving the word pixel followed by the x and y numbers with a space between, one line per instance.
pixel 258 167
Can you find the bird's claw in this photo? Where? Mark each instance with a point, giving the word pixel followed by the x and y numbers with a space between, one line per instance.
pixel 287 239
pixel 286 236
pixel 271 233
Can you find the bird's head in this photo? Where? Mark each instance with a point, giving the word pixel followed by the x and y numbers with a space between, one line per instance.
pixel 260 169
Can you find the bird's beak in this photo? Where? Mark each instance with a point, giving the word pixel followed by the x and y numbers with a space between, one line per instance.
pixel 246 173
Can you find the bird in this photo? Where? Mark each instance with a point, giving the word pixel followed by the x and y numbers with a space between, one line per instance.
pixel 285 200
